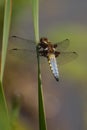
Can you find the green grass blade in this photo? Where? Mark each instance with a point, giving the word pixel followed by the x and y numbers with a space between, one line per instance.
pixel 4 117
pixel 42 120
pixel 7 17
pixel 35 19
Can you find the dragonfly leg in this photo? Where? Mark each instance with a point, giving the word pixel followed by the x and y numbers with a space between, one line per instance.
pixel 42 45
pixel 55 45
pixel 57 53
pixel 43 53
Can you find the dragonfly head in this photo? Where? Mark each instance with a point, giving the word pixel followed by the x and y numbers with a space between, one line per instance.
pixel 44 40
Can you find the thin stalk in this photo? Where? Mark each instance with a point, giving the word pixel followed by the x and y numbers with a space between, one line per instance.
pixel 41 110
pixel 4 115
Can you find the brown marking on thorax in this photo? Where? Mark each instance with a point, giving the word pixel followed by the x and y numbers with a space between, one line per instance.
pixel 50 48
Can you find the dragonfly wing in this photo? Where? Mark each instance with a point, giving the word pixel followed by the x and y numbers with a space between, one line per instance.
pixel 63 45
pixel 21 43
pixel 65 57
pixel 21 51
pixel 21 66
pixel 22 54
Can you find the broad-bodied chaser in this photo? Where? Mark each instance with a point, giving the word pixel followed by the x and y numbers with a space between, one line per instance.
pixel 52 52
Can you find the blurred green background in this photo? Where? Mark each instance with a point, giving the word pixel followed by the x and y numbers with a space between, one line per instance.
pixel 65 101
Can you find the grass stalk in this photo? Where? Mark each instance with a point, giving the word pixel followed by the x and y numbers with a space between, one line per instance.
pixel 4 116
pixel 42 119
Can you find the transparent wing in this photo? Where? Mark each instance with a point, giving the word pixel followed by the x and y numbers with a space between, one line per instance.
pixel 21 54
pixel 22 63
pixel 16 42
pixel 65 57
pixel 63 45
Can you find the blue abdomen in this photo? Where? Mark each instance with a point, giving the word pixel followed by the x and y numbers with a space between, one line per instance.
pixel 53 66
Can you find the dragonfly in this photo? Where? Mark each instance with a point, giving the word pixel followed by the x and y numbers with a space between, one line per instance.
pixel 54 52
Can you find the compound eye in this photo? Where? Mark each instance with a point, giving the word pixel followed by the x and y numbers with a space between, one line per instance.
pixel 45 39
pixel 41 40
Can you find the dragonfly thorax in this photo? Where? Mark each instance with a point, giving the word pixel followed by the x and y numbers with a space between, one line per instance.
pixel 51 48
pixel 45 47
